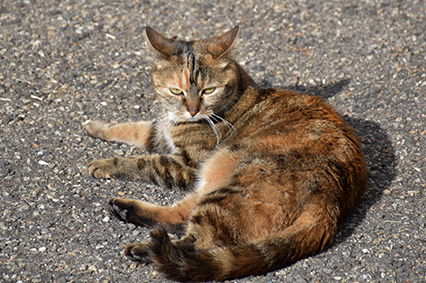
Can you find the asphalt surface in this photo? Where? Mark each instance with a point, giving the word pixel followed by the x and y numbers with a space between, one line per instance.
pixel 63 62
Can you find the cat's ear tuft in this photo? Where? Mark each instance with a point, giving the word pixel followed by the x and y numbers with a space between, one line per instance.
pixel 164 46
pixel 222 44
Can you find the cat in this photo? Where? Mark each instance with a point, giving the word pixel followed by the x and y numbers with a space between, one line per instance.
pixel 271 174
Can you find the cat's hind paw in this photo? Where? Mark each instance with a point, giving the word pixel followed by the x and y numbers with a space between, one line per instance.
pixel 130 211
pixel 138 252
pixel 118 212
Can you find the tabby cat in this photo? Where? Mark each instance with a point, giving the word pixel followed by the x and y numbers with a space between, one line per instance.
pixel 272 173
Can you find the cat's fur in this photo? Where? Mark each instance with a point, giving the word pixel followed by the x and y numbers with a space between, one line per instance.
pixel 273 173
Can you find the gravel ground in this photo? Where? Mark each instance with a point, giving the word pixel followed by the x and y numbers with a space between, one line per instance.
pixel 63 62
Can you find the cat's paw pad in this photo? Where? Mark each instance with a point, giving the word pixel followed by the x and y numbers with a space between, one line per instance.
pixel 116 211
pixel 138 252
pixel 101 168
pixel 119 208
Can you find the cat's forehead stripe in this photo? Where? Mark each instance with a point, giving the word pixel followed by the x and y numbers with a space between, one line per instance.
pixel 191 59
pixel 193 68
pixel 190 72
pixel 182 79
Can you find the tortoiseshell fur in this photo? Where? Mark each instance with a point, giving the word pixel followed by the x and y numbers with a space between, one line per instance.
pixel 272 174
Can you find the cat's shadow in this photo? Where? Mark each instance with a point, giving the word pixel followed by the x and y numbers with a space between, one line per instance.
pixel 325 91
pixel 379 154
pixel 381 163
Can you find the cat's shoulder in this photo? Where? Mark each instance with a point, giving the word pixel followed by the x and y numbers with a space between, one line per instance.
pixel 282 95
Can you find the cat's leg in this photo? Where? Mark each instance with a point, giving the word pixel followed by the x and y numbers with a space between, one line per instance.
pixel 141 252
pixel 137 133
pixel 138 252
pixel 172 218
pixel 171 171
pixel 216 173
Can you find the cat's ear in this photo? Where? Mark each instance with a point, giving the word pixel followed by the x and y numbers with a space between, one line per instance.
pixel 222 44
pixel 164 46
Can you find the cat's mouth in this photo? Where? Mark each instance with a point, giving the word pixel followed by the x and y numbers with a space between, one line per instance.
pixel 195 118
pixel 191 115
pixel 186 117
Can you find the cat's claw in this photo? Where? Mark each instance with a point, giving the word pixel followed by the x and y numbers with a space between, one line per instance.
pixel 134 257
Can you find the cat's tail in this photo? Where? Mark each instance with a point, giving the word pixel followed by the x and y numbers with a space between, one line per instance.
pixel 182 261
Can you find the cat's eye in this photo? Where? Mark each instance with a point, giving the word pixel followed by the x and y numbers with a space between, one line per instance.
pixel 176 91
pixel 209 90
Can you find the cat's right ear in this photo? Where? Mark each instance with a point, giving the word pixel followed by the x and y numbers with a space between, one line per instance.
pixel 222 44
pixel 165 47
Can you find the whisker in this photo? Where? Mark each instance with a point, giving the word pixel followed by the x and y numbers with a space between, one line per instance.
pixel 215 130
pixel 231 128
pixel 218 121
pixel 166 127
pixel 224 126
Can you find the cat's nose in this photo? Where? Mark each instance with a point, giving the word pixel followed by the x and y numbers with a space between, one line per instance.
pixel 193 112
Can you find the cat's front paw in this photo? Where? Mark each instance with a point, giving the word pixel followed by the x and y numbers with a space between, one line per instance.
pixel 96 129
pixel 103 168
pixel 138 252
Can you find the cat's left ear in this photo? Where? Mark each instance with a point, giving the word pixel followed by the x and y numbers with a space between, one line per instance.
pixel 222 44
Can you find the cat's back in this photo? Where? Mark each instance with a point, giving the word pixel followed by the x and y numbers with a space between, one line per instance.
pixel 273 114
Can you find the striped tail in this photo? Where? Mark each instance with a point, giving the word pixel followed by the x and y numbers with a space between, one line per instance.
pixel 182 261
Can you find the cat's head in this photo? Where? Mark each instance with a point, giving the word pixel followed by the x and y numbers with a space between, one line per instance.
pixel 194 79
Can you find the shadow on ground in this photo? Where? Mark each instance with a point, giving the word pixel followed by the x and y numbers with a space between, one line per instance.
pixel 381 162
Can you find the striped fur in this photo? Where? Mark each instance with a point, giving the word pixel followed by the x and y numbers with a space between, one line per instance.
pixel 273 174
